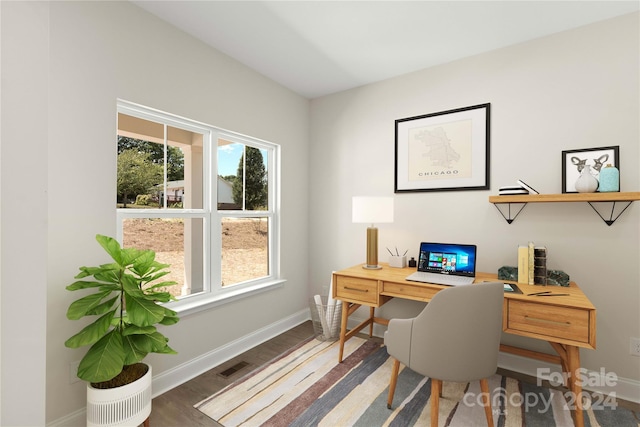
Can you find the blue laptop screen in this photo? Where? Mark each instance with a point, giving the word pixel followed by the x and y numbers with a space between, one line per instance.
pixel 447 258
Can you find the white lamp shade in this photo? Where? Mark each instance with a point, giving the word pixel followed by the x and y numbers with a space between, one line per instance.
pixel 372 210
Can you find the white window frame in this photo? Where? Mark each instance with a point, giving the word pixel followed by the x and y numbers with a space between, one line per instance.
pixel 214 293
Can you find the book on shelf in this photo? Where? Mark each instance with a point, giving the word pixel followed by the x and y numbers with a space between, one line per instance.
pixel 539 265
pixel 530 254
pixel 523 264
pixel 527 264
pixel 529 188
pixel 513 189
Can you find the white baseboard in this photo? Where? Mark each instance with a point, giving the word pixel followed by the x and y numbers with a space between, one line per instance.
pixel 167 380
pixel 74 419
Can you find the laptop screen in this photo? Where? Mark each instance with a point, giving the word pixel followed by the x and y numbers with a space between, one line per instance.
pixel 447 258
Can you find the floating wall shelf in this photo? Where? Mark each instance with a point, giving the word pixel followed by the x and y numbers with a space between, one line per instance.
pixel 591 198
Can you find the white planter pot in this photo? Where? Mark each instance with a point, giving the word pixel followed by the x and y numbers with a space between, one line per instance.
pixel 128 405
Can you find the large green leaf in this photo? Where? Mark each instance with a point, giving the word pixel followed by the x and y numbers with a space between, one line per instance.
pixel 142 312
pixel 161 285
pixel 142 342
pixel 112 247
pixel 159 343
pixel 108 276
pixel 159 296
pixel 102 308
pixel 170 313
pixel 133 352
pixel 91 333
pixel 83 284
pixel 90 271
pixel 153 276
pixel 169 320
pixel 163 348
pixel 137 330
pixel 81 307
pixel 131 286
pixel 131 255
pixel 143 263
pixel 104 360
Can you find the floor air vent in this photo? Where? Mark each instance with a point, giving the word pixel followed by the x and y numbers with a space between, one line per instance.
pixel 233 369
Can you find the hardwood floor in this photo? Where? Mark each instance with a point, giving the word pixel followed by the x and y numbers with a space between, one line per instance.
pixel 175 407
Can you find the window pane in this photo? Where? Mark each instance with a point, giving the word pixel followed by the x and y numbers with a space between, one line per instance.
pixel 230 193
pixel 142 176
pixel 184 169
pixel 237 190
pixel 176 241
pixel 140 172
pixel 245 249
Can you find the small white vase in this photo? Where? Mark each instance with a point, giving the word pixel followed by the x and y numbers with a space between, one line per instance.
pixel 586 183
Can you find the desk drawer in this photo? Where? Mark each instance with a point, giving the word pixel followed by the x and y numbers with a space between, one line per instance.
pixel 357 290
pixel 409 291
pixel 548 321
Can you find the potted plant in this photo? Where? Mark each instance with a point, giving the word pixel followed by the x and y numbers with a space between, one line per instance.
pixel 126 301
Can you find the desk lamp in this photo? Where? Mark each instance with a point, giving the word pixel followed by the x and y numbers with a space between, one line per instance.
pixel 372 210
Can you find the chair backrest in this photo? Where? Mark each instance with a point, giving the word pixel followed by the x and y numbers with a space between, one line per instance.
pixel 457 336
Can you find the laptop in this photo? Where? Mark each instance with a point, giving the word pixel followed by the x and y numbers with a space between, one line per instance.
pixel 449 264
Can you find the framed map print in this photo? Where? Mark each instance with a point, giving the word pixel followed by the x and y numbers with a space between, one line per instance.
pixel 445 151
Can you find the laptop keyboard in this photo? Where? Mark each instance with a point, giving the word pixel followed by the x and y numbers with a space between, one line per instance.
pixel 441 279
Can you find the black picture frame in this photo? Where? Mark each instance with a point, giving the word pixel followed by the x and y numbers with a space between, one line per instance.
pixel 573 162
pixel 443 151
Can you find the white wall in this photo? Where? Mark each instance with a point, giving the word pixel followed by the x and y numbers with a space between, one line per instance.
pixel 99 52
pixel 571 90
pixel 23 230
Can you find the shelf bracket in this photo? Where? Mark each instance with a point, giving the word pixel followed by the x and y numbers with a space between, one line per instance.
pixel 611 219
pixel 508 216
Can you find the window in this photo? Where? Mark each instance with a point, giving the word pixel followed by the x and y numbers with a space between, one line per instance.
pixel 204 199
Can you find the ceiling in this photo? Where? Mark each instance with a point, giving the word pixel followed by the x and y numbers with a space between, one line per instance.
pixel 317 48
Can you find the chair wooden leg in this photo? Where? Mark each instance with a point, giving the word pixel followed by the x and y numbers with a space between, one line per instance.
pixel 393 382
pixel 436 387
pixel 146 422
pixel 486 397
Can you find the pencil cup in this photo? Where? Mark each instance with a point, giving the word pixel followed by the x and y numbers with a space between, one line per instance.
pixel 398 261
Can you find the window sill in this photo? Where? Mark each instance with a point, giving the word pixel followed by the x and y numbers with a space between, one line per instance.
pixel 200 303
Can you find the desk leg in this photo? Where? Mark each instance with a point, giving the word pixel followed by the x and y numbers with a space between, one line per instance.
pixel 570 361
pixel 371 317
pixel 573 363
pixel 343 329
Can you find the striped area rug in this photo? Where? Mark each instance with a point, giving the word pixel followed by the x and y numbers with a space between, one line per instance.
pixel 307 387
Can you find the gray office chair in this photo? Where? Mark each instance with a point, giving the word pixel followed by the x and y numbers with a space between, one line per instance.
pixel 455 338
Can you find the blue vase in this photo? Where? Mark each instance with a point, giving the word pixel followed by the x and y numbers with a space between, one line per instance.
pixel 609 179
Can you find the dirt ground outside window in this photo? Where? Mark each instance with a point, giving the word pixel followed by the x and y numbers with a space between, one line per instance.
pixel 244 247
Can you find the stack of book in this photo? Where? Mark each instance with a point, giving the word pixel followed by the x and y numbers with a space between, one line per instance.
pixel 511 190
pixel 532 264
pixel 521 188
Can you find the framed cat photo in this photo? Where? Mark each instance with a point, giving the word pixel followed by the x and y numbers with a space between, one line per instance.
pixel 574 161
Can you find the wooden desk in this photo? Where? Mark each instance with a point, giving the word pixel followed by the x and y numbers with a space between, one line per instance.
pixel 566 322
